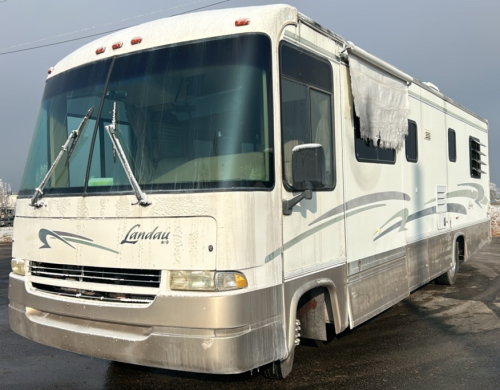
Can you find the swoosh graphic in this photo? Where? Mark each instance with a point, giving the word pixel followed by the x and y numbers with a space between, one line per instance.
pixel 66 234
pixel 480 191
pixel 458 194
pixel 44 233
pixel 362 201
pixel 92 245
pixel 403 214
pixel 451 207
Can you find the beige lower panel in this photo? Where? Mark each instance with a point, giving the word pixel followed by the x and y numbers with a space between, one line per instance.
pixel 376 289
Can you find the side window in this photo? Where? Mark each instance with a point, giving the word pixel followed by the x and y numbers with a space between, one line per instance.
pixel 306 107
pixel 475 158
pixel 367 151
pixel 452 145
pixel 411 143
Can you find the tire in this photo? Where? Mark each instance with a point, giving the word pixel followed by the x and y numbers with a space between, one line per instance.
pixel 450 277
pixel 280 369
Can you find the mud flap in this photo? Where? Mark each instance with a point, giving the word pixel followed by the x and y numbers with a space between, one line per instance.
pixel 311 313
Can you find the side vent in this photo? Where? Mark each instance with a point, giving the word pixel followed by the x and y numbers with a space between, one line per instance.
pixel 441 207
pixel 475 154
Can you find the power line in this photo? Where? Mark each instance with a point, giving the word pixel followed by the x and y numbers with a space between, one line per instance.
pixel 104 32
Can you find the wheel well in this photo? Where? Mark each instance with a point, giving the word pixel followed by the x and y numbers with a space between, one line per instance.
pixel 314 310
pixel 461 247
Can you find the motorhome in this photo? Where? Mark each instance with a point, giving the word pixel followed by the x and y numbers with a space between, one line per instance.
pixel 204 191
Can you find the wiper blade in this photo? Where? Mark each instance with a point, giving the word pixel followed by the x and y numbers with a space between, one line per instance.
pixel 142 199
pixel 73 138
pixel 79 131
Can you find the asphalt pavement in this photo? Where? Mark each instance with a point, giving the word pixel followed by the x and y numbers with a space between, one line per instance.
pixel 441 337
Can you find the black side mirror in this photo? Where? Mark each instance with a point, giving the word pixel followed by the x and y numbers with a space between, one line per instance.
pixel 308 167
pixel 308 173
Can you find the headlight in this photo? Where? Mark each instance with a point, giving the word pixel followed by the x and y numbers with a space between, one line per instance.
pixel 18 266
pixel 206 280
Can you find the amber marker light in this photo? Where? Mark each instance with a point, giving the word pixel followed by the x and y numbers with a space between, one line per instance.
pixel 101 50
pixel 136 40
pixel 117 45
pixel 242 22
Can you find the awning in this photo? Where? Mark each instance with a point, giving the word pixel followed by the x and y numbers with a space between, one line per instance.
pixel 380 99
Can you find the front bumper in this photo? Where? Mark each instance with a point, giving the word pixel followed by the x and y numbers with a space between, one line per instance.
pixel 223 334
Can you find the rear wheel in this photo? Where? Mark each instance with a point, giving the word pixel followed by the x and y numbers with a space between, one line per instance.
pixel 449 277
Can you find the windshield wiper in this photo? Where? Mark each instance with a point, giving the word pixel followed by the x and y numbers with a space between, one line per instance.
pixel 142 199
pixel 73 139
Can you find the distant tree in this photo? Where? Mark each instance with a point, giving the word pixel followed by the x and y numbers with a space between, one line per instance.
pixel 493 192
pixel 5 203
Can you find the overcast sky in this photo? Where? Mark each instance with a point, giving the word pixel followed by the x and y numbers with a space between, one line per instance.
pixel 451 43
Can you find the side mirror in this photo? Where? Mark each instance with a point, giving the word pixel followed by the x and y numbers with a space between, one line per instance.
pixel 308 167
pixel 308 173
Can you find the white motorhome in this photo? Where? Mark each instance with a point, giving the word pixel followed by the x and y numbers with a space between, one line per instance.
pixel 231 181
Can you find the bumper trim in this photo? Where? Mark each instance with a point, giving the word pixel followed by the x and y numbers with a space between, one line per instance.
pixel 223 349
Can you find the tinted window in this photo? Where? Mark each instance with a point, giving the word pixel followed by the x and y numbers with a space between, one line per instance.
pixel 411 142
pixel 305 68
pixel 306 107
pixel 191 116
pixel 367 151
pixel 452 145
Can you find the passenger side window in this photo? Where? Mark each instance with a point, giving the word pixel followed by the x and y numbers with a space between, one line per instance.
pixel 306 107
pixel 367 151
pixel 452 145
pixel 411 143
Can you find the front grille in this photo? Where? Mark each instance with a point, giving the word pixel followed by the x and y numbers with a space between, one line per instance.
pixel 125 280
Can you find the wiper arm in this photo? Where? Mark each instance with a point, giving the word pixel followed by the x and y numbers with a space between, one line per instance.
pixel 79 132
pixel 73 139
pixel 142 199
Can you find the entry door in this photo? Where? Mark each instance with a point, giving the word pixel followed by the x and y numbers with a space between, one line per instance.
pixel 313 235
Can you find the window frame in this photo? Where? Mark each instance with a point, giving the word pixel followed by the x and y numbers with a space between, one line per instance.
pixel 309 86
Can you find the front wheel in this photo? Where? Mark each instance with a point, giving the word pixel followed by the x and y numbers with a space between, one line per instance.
pixel 449 277
pixel 281 368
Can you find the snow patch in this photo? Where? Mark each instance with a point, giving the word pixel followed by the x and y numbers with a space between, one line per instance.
pixel 5 235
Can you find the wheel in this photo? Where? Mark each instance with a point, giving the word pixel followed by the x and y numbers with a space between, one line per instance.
pixel 449 277
pixel 281 368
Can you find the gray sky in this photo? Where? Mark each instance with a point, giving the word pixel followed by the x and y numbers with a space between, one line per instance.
pixel 451 43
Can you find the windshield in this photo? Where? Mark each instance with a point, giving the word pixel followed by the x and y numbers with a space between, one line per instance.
pixel 191 116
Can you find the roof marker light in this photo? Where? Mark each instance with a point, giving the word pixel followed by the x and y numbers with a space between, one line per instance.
pixel 101 50
pixel 242 22
pixel 50 70
pixel 136 40
pixel 117 45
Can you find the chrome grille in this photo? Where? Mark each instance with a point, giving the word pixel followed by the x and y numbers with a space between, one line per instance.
pixel 121 278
